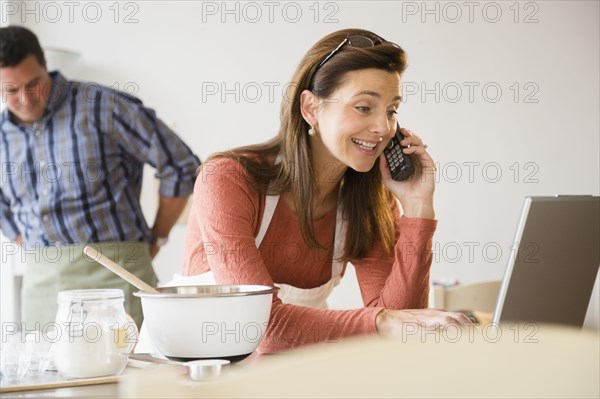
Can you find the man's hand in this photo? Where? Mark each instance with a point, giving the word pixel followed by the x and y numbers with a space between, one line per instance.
pixel 153 250
pixel 169 209
pixel 19 239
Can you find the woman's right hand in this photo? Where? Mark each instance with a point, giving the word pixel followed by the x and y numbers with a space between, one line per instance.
pixel 394 322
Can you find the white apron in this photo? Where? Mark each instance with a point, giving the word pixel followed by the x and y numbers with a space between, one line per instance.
pixel 310 297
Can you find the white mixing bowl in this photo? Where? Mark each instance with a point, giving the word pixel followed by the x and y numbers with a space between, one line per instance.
pixel 207 321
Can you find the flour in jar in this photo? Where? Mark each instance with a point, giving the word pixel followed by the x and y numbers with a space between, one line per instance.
pixel 92 351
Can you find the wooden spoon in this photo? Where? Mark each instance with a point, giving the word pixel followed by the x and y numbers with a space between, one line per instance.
pixel 118 270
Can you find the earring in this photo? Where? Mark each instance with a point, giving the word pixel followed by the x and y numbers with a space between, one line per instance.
pixel 311 131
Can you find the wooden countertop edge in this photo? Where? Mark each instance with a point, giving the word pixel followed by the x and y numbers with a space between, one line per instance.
pixel 61 384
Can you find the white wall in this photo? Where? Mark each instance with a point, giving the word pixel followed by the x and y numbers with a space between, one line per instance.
pixel 544 141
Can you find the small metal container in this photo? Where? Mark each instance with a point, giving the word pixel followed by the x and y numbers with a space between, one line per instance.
pixel 198 370
pixel 207 370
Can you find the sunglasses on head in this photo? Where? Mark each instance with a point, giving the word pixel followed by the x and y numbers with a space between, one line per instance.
pixel 352 41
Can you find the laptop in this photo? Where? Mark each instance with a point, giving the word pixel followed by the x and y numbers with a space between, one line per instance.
pixel 553 263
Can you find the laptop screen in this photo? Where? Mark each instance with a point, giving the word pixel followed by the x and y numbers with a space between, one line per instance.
pixel 554 261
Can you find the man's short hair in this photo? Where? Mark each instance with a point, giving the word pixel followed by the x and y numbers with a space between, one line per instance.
pixel 16 43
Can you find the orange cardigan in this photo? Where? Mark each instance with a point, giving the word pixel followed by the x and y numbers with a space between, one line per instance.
pixel 224 221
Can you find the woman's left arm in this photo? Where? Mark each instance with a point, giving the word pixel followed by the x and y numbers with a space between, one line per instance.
pixel 402 281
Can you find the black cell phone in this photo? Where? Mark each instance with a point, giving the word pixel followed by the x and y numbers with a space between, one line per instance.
pixel 401 165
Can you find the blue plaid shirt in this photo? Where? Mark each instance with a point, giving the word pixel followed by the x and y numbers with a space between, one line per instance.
pixel 75 175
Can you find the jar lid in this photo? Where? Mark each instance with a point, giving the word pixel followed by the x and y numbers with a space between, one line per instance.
pixel 91 295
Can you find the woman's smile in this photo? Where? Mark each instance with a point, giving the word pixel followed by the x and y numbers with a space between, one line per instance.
pixel 367 147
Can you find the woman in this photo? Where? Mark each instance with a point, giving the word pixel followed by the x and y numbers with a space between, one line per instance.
pixel 293 211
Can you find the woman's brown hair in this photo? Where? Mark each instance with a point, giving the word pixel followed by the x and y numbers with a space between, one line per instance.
pixel 365 201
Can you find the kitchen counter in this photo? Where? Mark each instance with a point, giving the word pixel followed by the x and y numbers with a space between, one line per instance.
pixel 110 389
pixel 90 391
pixel 518 360
pixel 103 387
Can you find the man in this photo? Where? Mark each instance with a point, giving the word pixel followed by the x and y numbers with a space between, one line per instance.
pixel 72 156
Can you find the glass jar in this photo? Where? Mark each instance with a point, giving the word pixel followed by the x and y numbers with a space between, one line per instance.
pixel 94 333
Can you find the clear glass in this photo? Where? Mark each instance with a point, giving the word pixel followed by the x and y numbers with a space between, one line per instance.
pixel 15 353
pixel 39 363
pixel 95 333
pixel 14 365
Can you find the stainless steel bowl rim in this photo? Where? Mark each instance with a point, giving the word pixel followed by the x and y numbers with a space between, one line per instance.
pixel 222 291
